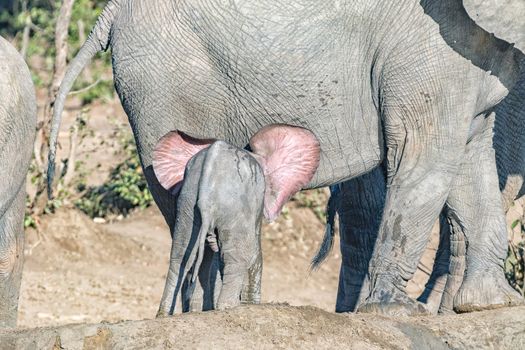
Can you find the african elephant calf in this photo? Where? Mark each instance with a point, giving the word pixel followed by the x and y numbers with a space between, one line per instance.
pixel 221 199
pixel 17 132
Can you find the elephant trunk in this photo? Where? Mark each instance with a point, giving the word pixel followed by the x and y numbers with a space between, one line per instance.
pixel 98 40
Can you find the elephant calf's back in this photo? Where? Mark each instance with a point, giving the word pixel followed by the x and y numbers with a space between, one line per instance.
pixel 232 181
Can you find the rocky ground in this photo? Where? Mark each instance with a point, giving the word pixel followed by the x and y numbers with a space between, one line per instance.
pixel 272 326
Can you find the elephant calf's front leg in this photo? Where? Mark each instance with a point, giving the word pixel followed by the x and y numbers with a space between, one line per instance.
pixel 421 173
pixel 202 294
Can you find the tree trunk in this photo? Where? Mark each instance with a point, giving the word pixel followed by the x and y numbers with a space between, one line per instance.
pixel 27 30
pixel 42 139
pixel 61 47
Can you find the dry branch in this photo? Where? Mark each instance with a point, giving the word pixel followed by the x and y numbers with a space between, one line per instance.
pixel 41 146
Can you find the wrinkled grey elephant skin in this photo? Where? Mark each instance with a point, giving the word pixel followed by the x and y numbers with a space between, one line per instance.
pixel 475 220
pixel 17 133
pixel 373 80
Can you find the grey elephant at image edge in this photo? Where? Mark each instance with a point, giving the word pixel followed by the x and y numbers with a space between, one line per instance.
pixel 17 133
pixel 220 206
pixel 405 91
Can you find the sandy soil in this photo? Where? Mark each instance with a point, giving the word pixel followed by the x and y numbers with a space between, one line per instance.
pixel 79 271
pixel 278 326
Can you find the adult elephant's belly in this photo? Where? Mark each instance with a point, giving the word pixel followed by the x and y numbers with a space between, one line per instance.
pixel 227 84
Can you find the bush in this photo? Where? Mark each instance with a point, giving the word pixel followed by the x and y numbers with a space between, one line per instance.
pixel 43 15
pixel 125 190
pixel 315 200
pixel 514 264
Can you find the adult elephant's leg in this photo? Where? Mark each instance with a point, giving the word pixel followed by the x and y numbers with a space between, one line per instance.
pixel 457 263
pixel 476 203
pixel 11 259
pixel 437 281
pixel 424 153
pixel 166 202
pixel 360 205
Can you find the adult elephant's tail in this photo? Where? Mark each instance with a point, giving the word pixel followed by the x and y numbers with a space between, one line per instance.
pixel 98 40
pixel 328 239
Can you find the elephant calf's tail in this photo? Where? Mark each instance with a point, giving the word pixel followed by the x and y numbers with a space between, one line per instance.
pixel 328 239
pixel 97 41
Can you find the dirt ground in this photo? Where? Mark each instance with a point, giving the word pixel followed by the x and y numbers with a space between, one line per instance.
pixel 80 271
pixel 278 326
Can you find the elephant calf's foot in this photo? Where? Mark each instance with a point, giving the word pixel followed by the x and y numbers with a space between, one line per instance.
pixel 489 291
pixel 393 304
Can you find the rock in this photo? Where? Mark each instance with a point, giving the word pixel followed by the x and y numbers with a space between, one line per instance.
pixel 282 326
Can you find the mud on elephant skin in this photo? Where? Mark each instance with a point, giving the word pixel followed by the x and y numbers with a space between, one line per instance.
pixel 17 133
pixel 221 198
pixel 375 81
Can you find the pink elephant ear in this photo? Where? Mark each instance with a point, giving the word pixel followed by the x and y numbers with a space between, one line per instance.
pixel 170 156
pixel 289 157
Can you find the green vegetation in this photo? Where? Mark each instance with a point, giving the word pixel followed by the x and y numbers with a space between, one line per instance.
pixel 125 190
pixel 315 200
pixel 40 16
pixel 515 264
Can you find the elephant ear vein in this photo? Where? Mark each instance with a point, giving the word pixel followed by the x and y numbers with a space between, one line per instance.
pixel 289 156
pixel 170 156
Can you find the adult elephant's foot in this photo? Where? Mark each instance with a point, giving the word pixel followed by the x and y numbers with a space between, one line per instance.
pixel 393 304
pixel 353 289
pixel 484 292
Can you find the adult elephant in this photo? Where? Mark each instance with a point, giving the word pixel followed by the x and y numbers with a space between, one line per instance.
pixel 17 132
pixel 400 81
pixel 495 154
pixel 472 225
